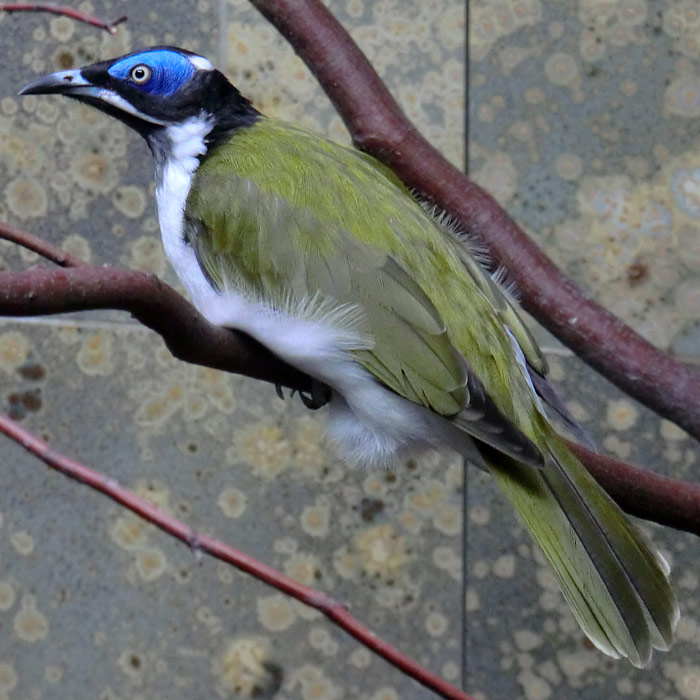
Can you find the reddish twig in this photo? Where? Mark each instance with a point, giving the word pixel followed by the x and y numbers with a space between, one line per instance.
pixel 378 126
pixel 643 493
pixel 331 608
pixel 65 11
pixel 38 245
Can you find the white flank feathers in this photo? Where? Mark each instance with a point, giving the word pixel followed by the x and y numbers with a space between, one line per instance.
pixel 187 143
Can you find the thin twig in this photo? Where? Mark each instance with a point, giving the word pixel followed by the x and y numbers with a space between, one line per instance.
pixel 331 608
pixel 378 126
pixel 64 11
pixel 38 245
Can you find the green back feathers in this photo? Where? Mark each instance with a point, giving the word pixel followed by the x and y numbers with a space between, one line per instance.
pixel 283 209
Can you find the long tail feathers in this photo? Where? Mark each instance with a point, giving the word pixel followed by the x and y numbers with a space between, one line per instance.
pixel 615 581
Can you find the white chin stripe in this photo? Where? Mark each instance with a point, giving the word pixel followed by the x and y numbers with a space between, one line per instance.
pixel 200 63
pixel 120 103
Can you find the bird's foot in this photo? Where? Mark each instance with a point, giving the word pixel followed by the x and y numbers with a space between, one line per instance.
pixel 320 395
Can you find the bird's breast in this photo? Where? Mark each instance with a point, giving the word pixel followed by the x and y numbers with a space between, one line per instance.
pixel 171 197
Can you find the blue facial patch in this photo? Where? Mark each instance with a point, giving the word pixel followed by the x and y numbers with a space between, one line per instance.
pixel 169 71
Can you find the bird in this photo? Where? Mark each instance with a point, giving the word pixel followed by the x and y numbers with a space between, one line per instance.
pixel 320 253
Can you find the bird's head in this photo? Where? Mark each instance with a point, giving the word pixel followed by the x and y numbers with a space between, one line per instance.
pixel 153 89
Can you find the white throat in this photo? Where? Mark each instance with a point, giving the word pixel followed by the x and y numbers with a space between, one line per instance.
pixel 184 143
pixel 187 140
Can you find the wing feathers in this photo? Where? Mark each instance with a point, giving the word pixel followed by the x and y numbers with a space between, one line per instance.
pixel 331 226
pixel 607 571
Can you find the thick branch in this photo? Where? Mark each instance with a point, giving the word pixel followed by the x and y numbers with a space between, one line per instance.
pixel 188 335
pixel 332 609
pixel 378 126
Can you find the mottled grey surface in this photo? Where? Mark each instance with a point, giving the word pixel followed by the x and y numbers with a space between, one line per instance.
pixel 583 122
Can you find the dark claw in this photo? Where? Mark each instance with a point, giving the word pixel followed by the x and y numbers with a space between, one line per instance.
pixel 278 389
pixel 319 397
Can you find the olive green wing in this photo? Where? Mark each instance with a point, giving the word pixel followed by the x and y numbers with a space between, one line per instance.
pixel 289 243
pixel 284 256
pixel 501 304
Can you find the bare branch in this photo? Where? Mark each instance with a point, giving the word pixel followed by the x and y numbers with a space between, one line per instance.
pixel 378 126
pixel 66 12
pixel 188 335
pixel 331 608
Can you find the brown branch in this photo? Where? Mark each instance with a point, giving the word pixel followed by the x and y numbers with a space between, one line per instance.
pixel 192 339
pixel 188 335
pixel 378 126
pixel 32 242
pixel 64 11
pixel 331 608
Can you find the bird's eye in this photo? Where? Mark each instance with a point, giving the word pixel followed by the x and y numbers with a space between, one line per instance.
pixel 140 74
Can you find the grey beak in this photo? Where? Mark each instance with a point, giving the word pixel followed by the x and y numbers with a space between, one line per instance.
pixel 65 82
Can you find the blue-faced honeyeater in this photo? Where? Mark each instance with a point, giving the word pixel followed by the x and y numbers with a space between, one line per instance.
pixel 321 254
